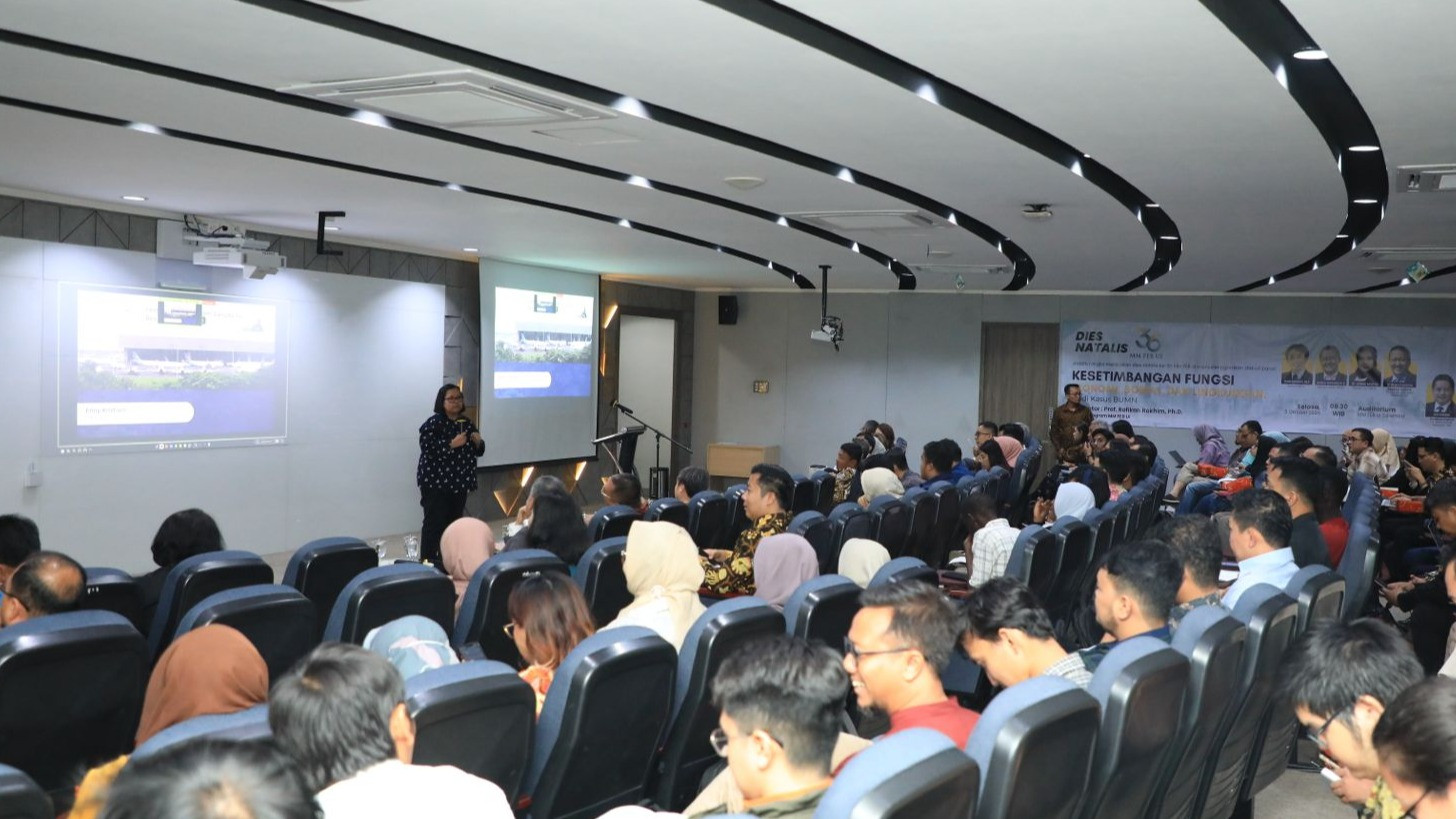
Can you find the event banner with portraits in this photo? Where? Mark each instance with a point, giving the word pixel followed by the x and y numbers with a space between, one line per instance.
pixel 1290 378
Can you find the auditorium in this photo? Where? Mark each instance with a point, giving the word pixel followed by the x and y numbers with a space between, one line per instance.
pixel 867 410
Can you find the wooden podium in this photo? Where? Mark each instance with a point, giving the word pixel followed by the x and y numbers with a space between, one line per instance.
pixel 735 460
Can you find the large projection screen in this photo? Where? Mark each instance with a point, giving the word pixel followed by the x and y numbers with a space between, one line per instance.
pixel 540 342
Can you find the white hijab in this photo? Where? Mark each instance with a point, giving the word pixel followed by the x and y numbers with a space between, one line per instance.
pixel 861 558
pixel 880 481
pixel 1073 500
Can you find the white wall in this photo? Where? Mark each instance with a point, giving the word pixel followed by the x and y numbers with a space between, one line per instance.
pixel 364 366
pixel 913 359
pixel 644 377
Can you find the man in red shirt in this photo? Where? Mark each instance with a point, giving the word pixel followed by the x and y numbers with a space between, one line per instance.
pixel 898 644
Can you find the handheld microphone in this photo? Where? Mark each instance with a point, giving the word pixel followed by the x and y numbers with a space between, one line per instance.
pixel 619 405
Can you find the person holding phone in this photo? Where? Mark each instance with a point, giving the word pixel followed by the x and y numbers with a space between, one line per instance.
pixel 449 445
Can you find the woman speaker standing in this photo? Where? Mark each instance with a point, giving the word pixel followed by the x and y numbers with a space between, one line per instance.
pixel 449 445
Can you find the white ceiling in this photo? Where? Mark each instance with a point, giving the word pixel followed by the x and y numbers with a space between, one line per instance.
pixel 1158 91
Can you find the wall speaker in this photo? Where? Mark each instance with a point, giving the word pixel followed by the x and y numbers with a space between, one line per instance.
pixel 727 309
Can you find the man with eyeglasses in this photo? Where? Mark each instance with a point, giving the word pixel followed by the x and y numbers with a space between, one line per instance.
pixel 780 699
pixel 1340 678
pixel 1359 446
pixel 899 643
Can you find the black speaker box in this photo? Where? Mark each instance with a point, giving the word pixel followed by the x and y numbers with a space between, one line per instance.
pixel 727 309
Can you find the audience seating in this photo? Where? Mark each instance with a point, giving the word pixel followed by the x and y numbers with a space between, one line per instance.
pixel 113 590
pixel 1358 566
pixel 1269 615
pixel 718 632
pixel 483 615
pixel 385 594
pixel 905 569
pixel 1035 560
pixel 803 499
pixel 996 480
pixel 1320 595
pixel 278 620
pixel 322 568
pixel 196 578
pixel 1360 486
pixel 1024 477
pixel 890 523
pixel 915 774
pixel 822 608
pixel 1077 540
pixel 919 542
pixel 707 518
pixel 1100 521
pixel 71 688
pixel 248 724
pixel 823 492
pixel 1033 747
pixel 1213 641
pixel 599 729
pixel 478 716
pixel 848 521
pixel 1121 520
pixel 1140 686
pixel 21 798
pixel 737 517
pixel 669 510
pixel 602 581
pixel 947 521
pixel 816 529
pixel 611 521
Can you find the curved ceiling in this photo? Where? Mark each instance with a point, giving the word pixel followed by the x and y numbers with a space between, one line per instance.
pixel 1166 96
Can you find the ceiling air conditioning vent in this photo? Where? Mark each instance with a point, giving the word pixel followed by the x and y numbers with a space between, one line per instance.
pixel 1408 254
pixel 952 269
pixel 1426 178
pixel 455 100
pixel 873 220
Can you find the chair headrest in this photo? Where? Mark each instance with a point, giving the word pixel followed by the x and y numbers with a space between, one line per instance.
pixel 433 678
pixel 251 723
pixel 881 762
pixel 811 586
pixel 1117 661
pixel 596 553
pixel 71 625
pixel 259 594
pixel 1195 624
pixel 888 571
pixel 1007 706
pixel 693 643
pixel 1255 598
pixel 370 577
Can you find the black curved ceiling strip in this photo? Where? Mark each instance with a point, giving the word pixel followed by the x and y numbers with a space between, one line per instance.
pixel 1271 32
pixel 479 143
pixel 816 34
pixel 1404 281
pixel 263 150
pixel 1023 268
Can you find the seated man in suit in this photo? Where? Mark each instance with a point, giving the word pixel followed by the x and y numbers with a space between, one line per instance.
pixel 1441 388
pixel 44 583
pixel 780 700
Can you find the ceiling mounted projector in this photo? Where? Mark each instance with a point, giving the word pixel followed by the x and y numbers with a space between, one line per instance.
pixel 225 245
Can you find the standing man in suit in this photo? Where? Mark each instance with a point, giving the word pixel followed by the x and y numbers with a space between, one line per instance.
pixel 1441 388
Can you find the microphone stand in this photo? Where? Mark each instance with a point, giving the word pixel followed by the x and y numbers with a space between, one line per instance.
pixel 657 454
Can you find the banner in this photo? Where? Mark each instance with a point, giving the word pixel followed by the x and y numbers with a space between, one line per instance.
pixel 1289 378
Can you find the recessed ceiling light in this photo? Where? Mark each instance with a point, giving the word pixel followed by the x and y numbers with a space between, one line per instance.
pixel 1342 235
pixel 132 198
pixel 1152 205
pixel 330 227
pixel 1169 238
pixel 1364 149
pixel 471 249
pixel 1365 201
pixel 743 183
pixel 1311 54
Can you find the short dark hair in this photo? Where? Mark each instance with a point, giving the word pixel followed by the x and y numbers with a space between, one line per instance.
pixel 991 425
pixel 1450 382
pixel 1013 430
pixel 1301 475
pixel 1441 494
pixel 1333 486
pixel 774 478
pixel 1147 571
pixel 1266 513
pixel 1144 445
pixel 878 461
pixel 693 479
pixel 1005 602
pixel 1195 542
pixel 896 457
pixel 1122 427
pixel 1253 426
pixel 1321 455
pixel 1096 480
pixel 853 450
pixel 1067 388
pixel 1363 434
pixel 331 711
pixel 1294 446
pixel 19 539
pixel 444 391
pixel 1117 463
pixel 954 449
pixel 185 534
pixel 789 688
pixel 209 778
pixel 1416 736
pixel 626 489
pixel 48 583
pixel 923 618
pixel 557 527
pixel 1334 663
pixel 1400 347
pixel 977 510
pixel 938 456
pixel 1101 432
pixel 1297 348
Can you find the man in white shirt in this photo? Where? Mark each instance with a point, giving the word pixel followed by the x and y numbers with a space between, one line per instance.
pixel 1259 530
pixel 340 715
pixel 1360 455
pixel 992 539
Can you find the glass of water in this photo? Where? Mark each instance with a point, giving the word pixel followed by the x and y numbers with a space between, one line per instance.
pixel 379 547
pixel 412 547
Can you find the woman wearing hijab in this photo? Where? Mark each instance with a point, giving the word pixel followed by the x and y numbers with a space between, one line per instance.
pixel 465 545
pixel 861 558
pixel 211 670
pixel 1212 451
pixel 879 481
pixel 1073 500
pixel 1386 450
pixel 781 564
pixel 663 575
pixel 1010 449
pixel 412 644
